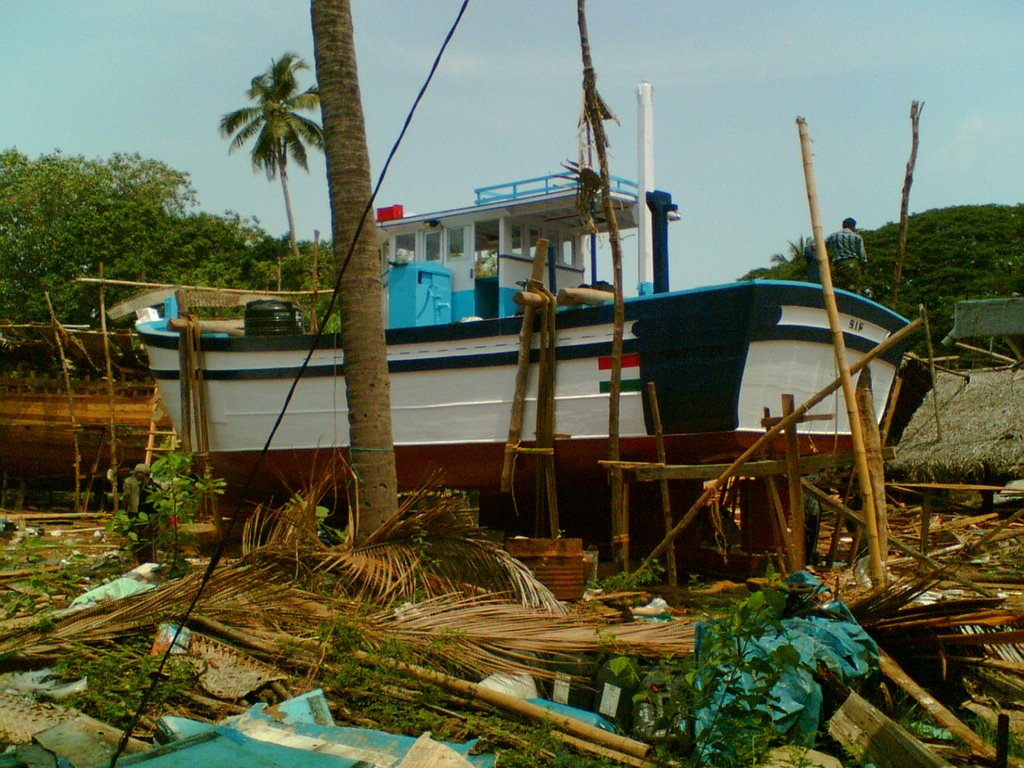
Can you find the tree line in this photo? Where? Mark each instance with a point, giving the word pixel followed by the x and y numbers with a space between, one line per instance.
pixel 953 254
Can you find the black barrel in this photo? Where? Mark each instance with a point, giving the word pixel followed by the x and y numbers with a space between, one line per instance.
pixel 270 317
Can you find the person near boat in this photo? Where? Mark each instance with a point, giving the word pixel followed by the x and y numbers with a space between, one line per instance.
pixel 135 494
pixel 847 256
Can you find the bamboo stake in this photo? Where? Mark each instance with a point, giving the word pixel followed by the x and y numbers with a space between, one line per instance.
pixel 931 367
pixel 314 280
pixel 666 499
pixel 596 112
pixel 873 449
pixel 546 428
pixel 66 375
pixel 184 378
pixel 515 425
pixel 110 390
pixel 711 487
pixel 876 569
pixel 798 541
pixel 563 723
pixel 901 247
pixel 779 523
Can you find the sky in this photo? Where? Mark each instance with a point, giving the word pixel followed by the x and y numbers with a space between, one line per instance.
pixel 730 78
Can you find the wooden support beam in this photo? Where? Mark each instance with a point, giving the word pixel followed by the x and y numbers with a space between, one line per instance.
pixel 809 465
pixel 572 297
pixel 522 373
pixel 798 539
pixel 666 500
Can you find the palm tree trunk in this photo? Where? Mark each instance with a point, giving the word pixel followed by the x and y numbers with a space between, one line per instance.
pixel 362 331
pixel 282 171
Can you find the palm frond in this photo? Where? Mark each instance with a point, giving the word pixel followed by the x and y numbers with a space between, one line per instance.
pixel 483 635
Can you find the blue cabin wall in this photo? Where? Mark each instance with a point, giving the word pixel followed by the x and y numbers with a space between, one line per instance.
pixel 419 294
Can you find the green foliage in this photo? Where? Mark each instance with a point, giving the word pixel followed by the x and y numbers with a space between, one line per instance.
pixel 62 216
pixel 175 495
pixel 953 254
pixel 631 582
pixel 119 677
pixel 728 657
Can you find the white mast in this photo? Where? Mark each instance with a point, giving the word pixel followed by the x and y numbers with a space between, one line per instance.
pixel 645 183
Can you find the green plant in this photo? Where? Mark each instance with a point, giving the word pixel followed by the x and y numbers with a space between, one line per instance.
pixel 631 582
pixel 728 690
pixel 173 498
pixel 119 676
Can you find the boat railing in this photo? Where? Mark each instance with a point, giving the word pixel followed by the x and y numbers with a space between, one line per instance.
pixel 544 185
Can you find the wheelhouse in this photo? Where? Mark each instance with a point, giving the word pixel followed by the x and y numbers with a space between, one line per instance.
pixel 468 263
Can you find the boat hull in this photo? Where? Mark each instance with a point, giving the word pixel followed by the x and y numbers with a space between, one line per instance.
pixel 38 434
pixel 718 357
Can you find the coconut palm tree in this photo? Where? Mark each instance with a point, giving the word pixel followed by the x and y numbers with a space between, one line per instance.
pixel 279 130
pixel 367 385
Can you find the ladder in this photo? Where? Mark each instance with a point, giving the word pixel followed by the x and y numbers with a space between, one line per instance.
pixel 160 427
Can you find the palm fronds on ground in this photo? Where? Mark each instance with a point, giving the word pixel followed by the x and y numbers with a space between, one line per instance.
pixel 426 549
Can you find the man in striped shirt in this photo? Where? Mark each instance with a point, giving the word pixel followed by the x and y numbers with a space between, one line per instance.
pixel 847 256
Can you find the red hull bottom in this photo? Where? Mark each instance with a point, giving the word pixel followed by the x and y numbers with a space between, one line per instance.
pixel 478 466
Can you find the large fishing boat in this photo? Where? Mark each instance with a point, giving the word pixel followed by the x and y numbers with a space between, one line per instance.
pixel 718 357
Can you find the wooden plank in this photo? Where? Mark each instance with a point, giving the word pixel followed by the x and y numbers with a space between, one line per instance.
pixel 939 713
pixel 872 737
pixel 808 466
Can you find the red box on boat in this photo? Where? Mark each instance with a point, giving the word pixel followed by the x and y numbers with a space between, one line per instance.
pixel 390 213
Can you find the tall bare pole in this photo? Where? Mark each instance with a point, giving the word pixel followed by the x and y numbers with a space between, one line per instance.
pixel 110 389
pixel 595 112
pixel 876 571
pixel 58 331
pixel 901 249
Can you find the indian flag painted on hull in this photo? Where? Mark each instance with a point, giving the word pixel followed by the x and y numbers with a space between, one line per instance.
pixel 630 372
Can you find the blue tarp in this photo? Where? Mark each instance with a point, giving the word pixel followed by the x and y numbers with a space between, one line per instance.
pixel 297 732
pixel 830 637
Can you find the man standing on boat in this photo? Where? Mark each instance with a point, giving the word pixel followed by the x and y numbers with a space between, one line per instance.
pixel 847 256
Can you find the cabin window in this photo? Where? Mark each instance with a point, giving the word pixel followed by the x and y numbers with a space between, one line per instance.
pixel 432 246
pixel 516 230
pixel 456 243
pixel 567 255
pixel 485 248
pixel 523 240
pixel 405 248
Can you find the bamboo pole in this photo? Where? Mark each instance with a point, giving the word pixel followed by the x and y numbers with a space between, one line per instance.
pixel 314 280
pixel 712 486
pixel 931 367
pixel 875 567
pixel 66 375
pixel 798 522
pixel 522 707
pixel 110 390
pixel 596 112
pixel 666 499
pixel 546 412
pixel 908 179
pixel 873 449
pixel 515 425
pixel 184 378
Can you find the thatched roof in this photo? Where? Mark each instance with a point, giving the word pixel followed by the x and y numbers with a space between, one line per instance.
pixel 981 418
